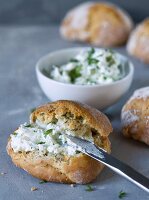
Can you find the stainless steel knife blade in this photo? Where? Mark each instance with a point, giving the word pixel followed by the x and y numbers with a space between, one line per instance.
pixel 110 161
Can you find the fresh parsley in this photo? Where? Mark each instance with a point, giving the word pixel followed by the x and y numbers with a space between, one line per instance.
pixel 89 188
pixel 42 181
pixel 48 132
pixel 40 142
pixel 14 133
pixel 90 59
pixel 122 194
pixel 110 60
pixel 75 73
pixel 29 126
pixel 91 52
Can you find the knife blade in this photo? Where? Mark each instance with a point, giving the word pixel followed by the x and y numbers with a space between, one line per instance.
pixel 110 161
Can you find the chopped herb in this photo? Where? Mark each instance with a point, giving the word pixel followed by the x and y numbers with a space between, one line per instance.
pixel 29 126
pixel 93 71
pixel 122 194
pixel 32 110
pixel 73 60
pixel 14 133
pixel 110 60
pixel 40 142
pixel 92 60
pixel 54 121
pixel 48 132
pixel 89 188
pixel 42 181
pixel 91 52
pixel 77 152
pixel 75 73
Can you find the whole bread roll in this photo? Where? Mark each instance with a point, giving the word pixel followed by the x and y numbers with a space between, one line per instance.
pixel 138 43
pixel 135 116
pixel 102 24
pixel 41 147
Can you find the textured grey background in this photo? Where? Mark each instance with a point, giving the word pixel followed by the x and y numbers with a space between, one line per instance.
pixel 51 11
pixel 23 40
pixel 20 49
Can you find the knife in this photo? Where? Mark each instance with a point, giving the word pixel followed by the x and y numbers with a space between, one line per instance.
pixel 110 161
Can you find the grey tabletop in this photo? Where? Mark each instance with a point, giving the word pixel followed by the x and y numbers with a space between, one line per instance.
pixel 20 48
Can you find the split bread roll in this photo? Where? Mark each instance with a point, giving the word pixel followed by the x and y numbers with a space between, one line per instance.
pixel 102 24
pixel 135 116
pixel 138 43
pixel 41 147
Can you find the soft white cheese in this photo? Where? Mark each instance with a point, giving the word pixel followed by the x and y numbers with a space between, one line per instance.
pixel 90 67
pixel 46 139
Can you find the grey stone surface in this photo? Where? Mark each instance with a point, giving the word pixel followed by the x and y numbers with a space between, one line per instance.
pixel 20 48
pixel 52 11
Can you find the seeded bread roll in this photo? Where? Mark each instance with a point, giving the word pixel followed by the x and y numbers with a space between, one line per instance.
pixel 102 24
pixel 135 116
pixel 138 43
pixel 62 165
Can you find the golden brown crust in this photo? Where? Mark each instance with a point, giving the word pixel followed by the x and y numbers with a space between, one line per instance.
pixel 92 116
pixel 81 169
pixel 138 42
pixel 102 24
pixel 67 169
pixel 135 117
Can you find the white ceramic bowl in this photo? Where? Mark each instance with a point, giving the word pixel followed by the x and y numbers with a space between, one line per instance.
pixel 99 96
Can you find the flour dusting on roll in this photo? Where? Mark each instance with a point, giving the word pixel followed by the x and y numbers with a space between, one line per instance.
pixel 102 24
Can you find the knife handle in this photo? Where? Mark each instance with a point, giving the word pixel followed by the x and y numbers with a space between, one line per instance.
pixel 123 170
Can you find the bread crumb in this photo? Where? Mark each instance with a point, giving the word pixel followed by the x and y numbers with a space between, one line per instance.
pixel 72 185
pixel 34 189
pixel 2 173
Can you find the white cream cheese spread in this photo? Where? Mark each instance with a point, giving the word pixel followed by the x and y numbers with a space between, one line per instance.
pixel 44 139
pixel 90 67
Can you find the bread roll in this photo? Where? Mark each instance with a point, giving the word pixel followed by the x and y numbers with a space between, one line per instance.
pixel 41 147
pixel 135 116
pixel 138 43
pixel 102 24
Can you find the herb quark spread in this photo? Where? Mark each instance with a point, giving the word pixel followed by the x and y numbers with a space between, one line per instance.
pixel 90 67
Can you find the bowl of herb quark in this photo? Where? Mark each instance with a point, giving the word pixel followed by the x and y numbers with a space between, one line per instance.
pixel 95 76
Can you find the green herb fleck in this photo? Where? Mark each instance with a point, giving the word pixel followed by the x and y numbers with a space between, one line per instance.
pixel 110 60
pixel 29 126
pixel 48 132
pixel 92 60
pixel 42 181
pixel 40 142
pixel 122 194
pixel 73 60
pixel 89 188
pixel 14 133
pixel 91 52
pixel 32 110
pixel 77 152
pixel 75 73
pixel 54 121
